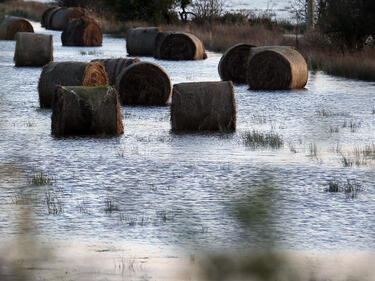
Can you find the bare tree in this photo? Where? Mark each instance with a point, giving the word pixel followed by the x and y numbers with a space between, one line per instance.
pixel 208 9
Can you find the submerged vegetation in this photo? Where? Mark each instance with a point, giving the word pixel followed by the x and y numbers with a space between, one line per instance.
pixel 257 139
pixel 351 188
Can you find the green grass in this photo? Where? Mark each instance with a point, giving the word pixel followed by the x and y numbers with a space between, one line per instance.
pixel 255 139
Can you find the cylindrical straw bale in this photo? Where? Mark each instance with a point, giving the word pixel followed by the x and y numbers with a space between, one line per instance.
pixel 182 46
pixel 203 106
pixel 62 16
pixel 233 63
pixel 276 68
pixel 159 40
pixel 86 111
pixel 44 22
pixel 33 49
pixel 84 31
pixel 11 25
pixel 113 67
pixel 68 74
pixel 144 83
pixel 140 41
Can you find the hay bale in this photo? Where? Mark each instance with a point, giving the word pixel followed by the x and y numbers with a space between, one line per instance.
pixel 44 22
pixel 113 67
pixel 144 83
pixel 84 31
pixel 68 74
pixel 86 111
pixel 62 16
pixel 181 46
pixel 203 106
pixel 33 49
pixel 159 40
pixel 141 41
pixel 11 25
pixel 233 63
pixel 48 17
pixel 276 68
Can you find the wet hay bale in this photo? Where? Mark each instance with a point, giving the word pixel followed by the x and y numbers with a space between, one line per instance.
pixel 203 106
pixel 159 40
pixel 276 68
pixel 68 74
pixel 84 31
pixel 86 111
pixel 11 25
pixel 144 83
pixel 44 22
pixel 62 16
pixel 33 49
pixel 233 63
pixel 114 67
pixel 181 46
pixel 140 41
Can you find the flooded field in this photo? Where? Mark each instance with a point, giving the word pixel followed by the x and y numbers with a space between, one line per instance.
pixel 152 187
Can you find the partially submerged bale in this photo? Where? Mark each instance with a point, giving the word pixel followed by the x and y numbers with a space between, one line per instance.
pixel 159 40
pixel 233 63
pixel 11 25
pixel 144 83
pixel 33 49
pixel 276 68
pixel 141 41
pixel 68 74
pixel 203 106
pixel 86 111
pixel 182 46
pixel 62 16
pixel 44 22
pixel 114 67
pixel 84 31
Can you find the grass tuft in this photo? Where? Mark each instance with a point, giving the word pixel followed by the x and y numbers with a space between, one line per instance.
pixel 110 207
pixel 257 139
pixel 351 188
pixel 40 179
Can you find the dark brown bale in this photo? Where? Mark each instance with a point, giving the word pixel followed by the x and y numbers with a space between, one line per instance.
pixel 141 41
pixel 49 15
pixel 276 68
pixel 68 74
pixel 233 63
pixel 44 22
pixel 144 83
pixel 11 25
pixel 84 31
pixel 86 111
pixel 182 46
pixel 113 67
pixel 159 40
pixel 203 106
pixel 33 49
pixel 61 17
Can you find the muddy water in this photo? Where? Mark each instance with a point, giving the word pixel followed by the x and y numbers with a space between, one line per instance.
pixel 173 189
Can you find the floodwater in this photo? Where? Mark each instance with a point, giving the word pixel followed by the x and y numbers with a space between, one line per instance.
pixel 182 190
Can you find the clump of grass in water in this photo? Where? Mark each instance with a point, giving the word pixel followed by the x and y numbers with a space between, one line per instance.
pixel 351 188
pixel 110 206
pixel 353 125
pixel 54 204
pixel 256 139
pixel 41 179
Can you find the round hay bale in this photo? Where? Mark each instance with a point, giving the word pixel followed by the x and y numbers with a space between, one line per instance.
pixel 11 25
pixel 49 16
pixel 140 41
pixel 113 67
pixel 68 74
pixel 203 106
pixel 84 31
pixel 44 22
pixel 62 16
pixel 33 49
pixel 233 63
pixel 86 111
pixel 158 41
pixel 182 46
pixel 144 83
pixel 276 68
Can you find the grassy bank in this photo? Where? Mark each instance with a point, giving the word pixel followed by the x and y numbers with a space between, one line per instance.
pixel 220 36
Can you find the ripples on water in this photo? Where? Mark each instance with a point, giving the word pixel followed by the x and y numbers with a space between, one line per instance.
pixel 180 188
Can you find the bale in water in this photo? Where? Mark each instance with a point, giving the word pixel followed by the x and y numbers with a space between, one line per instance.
pixel 203 106
pixel 84 31
pixel 62 16
pixel 11 25
pixel 181 46
pixel 68 74
pixel 44 22
pixel 144 83
pixel 159 40
pixel 276 68
pixel 233 63
pixel 86 111
pixel 113 67
pixel 33 49
pixel 141 41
